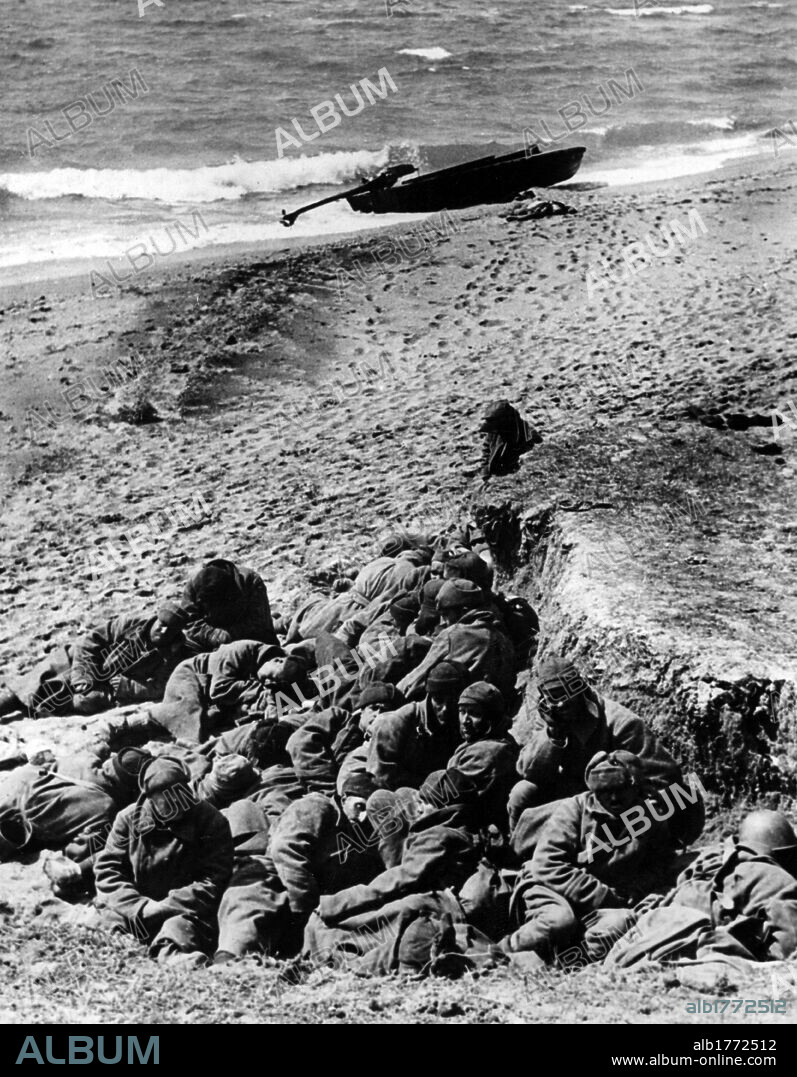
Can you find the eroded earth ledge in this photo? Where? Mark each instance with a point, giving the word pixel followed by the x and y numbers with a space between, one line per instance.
pixel 727 707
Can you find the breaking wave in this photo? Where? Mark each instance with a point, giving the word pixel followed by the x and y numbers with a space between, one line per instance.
pixel 655 9
pixel 650 8
pixel 210 183
pixel 435 53
pixel 684 160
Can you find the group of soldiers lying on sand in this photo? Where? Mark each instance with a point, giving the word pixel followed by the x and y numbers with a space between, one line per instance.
pixel 343 787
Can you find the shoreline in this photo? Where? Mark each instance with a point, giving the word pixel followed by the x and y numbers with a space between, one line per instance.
pixel 28 276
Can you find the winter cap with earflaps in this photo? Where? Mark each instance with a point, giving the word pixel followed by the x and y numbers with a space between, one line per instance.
pixel 442 788
pixel 268 652
pixel 613 770
pixel 460 594
pixel 128 763
pixel 160 773
pixel 428 946
pixel 486 698
pixel 358 784
pixel 448 677
pixel 468 566
pixel 558 676
pixel 213 582
pixel 428 614
pixel 230 774
pixel 498 413
pixel 173 615
pixel 429 594
pixel 296 667
pixel 407 606
pixel 268 741
pixel 380 692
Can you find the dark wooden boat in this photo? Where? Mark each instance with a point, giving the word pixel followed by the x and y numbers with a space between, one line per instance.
pixel 489 179
pixel 475 183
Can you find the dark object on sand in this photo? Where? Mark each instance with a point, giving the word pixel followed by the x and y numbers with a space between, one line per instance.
pixel 506 437
pixel 527 207
pixel 485 180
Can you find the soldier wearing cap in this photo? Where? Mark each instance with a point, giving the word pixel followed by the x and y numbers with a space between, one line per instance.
pixel 572 724
pixel 224 603
pixel 467 565
pixel 396 572
pixel 117 776
pixel 41 809
pixel 231 778
pixel 217 688
pixel 484 758
pixel 427 623
pixel 412 741
pixel 330 738
pixel 736 900
pixel 517 618
pixel 165 865
pixel 487 754
pixel 125 660
pixel 321 845
pixel 506 437
pixel 254 913
pixel 71 874
pixel 472 636
pixel 599 853
pixel 392 623
pixel 441 849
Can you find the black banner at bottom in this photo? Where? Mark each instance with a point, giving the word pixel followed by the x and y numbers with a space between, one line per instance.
pixel 625 1048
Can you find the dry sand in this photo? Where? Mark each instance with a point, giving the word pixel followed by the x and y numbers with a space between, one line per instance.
pixel 699 349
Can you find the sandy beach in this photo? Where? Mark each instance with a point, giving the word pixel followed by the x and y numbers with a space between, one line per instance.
pixel 301 399
pixel 339 352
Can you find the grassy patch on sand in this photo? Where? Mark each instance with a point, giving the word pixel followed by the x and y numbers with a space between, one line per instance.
pixel 60 974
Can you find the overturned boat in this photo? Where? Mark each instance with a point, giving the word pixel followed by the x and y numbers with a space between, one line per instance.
pixel 475 183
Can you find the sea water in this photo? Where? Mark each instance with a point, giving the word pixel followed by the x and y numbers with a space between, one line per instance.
pixel 205 84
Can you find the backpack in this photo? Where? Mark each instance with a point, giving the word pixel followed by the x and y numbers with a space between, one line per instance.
pixel 522 625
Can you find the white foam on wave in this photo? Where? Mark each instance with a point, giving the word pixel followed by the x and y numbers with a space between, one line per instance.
pixel 720 123
pixel 655 9
pixel 336 219
pixel 680 161
pixel 435 53
pixel 210 183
